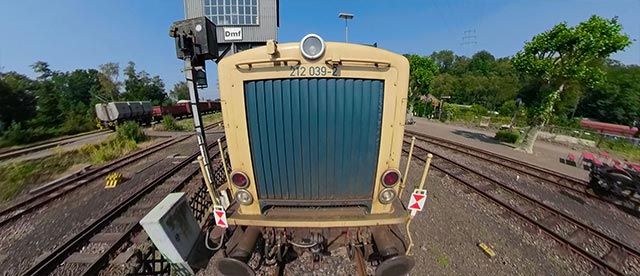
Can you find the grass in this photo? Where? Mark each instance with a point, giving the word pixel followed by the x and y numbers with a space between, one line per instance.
pixel 16 177
pixel 443 260
pixel 621 147
pixel 171 124
pixel 440 257
pixel 185 124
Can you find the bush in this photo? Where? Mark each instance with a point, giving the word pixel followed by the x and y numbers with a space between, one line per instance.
pixel 75 123
pixel 508 108
pixel 18 135
pixel 130 131
pixel 509 136
pixel 171 124
pixel 478 110
pixel 111 150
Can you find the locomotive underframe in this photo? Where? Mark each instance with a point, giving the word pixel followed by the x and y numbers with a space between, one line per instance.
pixel 382 246
pixel 618 186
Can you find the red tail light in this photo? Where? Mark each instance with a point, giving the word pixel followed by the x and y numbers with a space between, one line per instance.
pixel 239 179
pixel 390 177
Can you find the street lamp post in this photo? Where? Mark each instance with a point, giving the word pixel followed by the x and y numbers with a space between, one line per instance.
pixel 346 16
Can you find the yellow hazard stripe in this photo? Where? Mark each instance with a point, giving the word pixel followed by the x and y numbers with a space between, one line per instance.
pixel 487 250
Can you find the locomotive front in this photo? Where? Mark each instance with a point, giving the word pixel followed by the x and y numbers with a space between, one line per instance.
pixel 315 133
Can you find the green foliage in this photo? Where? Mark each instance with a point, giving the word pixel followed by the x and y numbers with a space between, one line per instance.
pixel 507 108
pixel 16 134
pixel 17 101
pixel 450 112
pixel 622 147
pixel 112 150
pixel 187 124
pixel 482 62
pixel 109 84
pixel 422 72
pixel 508 136
pixel 17 176
pixel 140 86
pixel 61 103
pixel 618 99
pixel 422 109
pixel 128 135
pixel 130 131
pixel 478 110
pixel 569 53
pixel 444 85
pixel 554 60
pixel 180 91
pixel 171 124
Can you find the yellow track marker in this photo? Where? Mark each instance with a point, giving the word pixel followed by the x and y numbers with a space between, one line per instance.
pixel 487 249
pixel 112 180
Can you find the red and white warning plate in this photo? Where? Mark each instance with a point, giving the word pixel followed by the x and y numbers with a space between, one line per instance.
pixel 418 198
pixel 220 216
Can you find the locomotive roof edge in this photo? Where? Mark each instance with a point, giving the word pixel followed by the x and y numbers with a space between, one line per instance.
pixel 356 51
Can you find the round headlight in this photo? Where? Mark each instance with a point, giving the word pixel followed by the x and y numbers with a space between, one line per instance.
pixel 244 197
pixel 312 46
pixel 390 177
pixel 240 179
pixel 386 195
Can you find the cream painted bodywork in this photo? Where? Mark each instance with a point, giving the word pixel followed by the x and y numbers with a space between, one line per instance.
pixel 353 61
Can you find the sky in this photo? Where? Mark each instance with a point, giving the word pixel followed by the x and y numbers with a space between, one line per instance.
pixel 76 34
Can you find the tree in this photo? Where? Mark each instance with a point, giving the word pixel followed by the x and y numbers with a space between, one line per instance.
pixel 108 78
pixel 48 111
pixel 482 62
pixel 140 86
pixel 17 102
pixel 444 59
pixel 422 72
pixel 180 91
pixel 77 87
pixel 444 84
pixel 618 99
pixel 557 57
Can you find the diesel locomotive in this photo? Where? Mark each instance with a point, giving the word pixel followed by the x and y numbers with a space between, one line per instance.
pixel 314 132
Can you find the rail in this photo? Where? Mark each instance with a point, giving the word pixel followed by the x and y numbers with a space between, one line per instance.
pixel 440 163
pixel 547 175
pixel 52 260
pixel 52 192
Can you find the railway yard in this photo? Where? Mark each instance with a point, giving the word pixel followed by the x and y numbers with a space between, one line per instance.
pixel 535 219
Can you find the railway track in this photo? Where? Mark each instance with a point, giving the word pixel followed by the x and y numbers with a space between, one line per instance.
pixel 48 144
pixel 609 259
pixel 52 192
pixel 86 252
pixel 548 176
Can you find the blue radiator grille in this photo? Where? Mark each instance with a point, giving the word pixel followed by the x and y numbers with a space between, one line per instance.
pixel 314 139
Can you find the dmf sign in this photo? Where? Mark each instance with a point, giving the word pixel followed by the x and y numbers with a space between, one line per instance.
pixel 232 34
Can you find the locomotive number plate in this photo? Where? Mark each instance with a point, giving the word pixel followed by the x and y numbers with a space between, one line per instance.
pixel 313 71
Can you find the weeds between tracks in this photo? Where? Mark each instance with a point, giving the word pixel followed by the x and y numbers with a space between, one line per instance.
pixel 17 176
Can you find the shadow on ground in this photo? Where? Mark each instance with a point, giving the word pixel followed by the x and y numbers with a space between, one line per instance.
pixel 476 136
